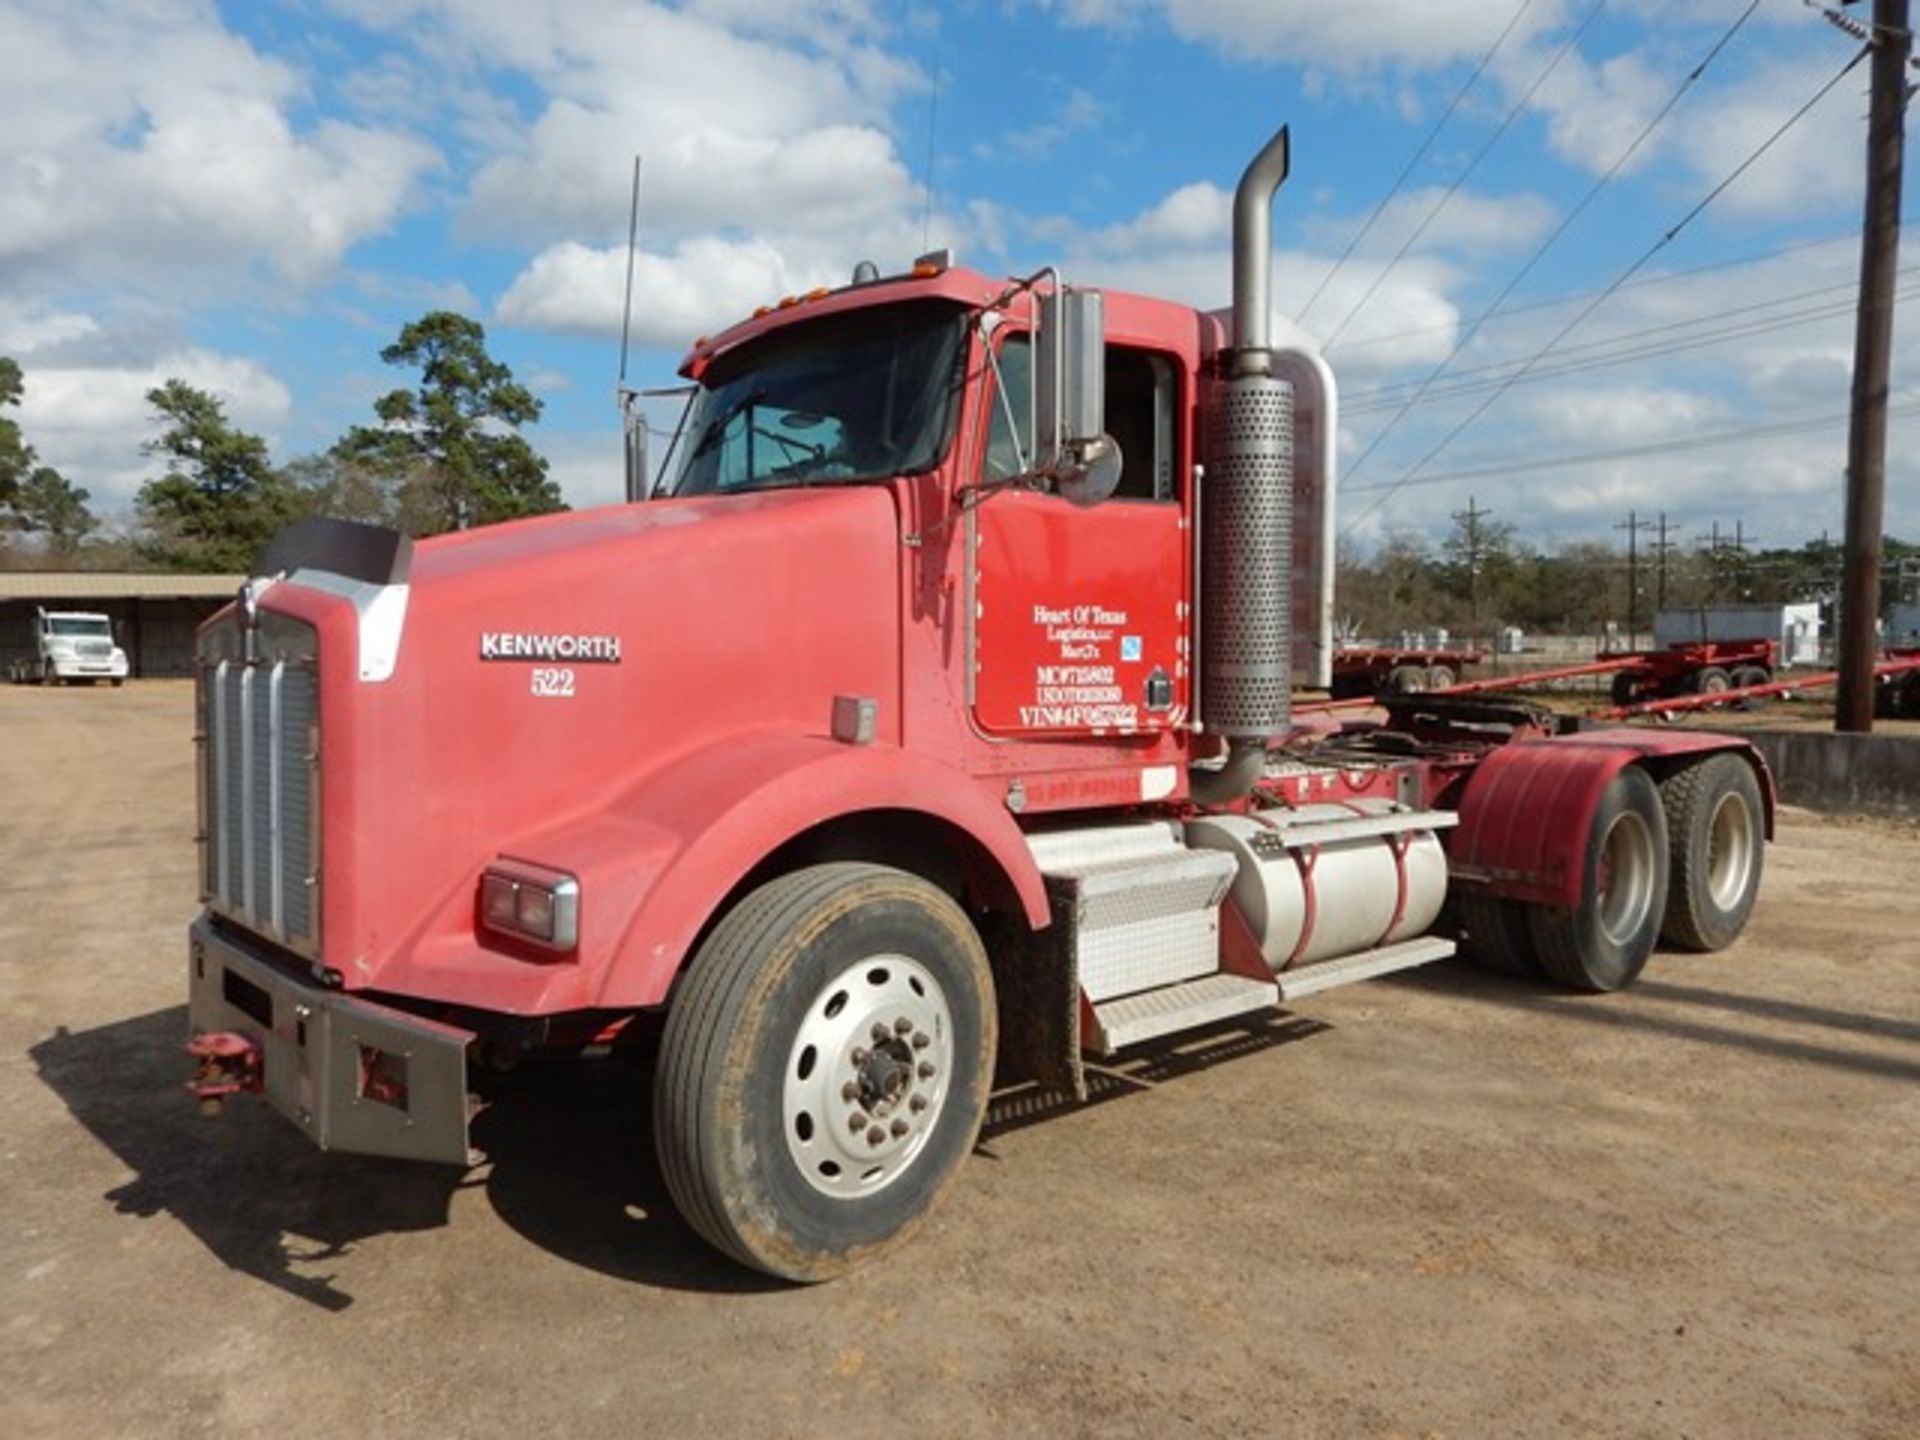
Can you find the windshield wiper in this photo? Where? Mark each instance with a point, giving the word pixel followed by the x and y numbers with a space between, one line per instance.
pixel 717 427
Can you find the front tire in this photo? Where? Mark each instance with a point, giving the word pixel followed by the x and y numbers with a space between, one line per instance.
pixel 1719 849
pixel 1603 942
pixel 825 1068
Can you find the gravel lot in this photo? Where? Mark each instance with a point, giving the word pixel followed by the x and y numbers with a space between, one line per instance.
pixel 1447 1206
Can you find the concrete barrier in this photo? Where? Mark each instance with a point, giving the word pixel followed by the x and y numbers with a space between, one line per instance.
pixel 1861 774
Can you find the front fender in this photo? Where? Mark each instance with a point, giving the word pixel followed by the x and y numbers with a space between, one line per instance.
pixel 715 815
pixel 1526 811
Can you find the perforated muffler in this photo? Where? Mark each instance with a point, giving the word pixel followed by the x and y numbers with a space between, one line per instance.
pixel 1246 633
pixel 1246 542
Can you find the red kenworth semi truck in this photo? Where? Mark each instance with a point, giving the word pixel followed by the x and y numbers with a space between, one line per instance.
pixel 930 723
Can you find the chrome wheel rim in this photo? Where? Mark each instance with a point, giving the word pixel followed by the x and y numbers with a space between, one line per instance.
pixel 1624 886
pixel 867 1076
pixel 1729 850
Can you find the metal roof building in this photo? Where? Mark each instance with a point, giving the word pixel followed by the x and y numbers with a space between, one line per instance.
pixel 153 615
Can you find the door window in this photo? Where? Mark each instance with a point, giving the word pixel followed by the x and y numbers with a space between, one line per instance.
pixel 1141 393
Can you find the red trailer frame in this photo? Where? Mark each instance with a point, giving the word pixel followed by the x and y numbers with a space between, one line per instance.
pixel 1363 671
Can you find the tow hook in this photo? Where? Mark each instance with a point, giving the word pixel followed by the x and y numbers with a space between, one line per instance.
pixel 225 1063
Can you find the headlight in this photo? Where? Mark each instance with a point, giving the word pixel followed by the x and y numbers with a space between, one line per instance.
pixel 531 902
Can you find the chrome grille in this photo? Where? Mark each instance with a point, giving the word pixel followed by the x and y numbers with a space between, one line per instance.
pixel 259 743
pixel 95 649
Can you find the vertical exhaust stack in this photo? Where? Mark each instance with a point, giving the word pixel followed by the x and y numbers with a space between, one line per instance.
pixel 1246 640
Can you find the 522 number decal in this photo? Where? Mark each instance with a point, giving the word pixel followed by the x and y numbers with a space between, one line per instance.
pixel 552 683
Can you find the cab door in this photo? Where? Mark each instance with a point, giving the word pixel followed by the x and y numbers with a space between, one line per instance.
pixel 1080 619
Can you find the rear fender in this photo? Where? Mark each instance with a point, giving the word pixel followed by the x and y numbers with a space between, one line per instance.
pixel 716 815
pixel 1526 811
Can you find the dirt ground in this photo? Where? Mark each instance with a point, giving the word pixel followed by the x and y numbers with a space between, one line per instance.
pixel 1449 1206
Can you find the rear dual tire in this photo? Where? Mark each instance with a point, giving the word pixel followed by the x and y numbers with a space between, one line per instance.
pixel 1603 942
pixel 1718 841
pixel 1497 936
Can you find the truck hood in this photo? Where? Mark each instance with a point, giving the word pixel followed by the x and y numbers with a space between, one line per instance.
pixel 546 667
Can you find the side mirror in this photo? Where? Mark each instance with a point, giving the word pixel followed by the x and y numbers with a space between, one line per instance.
pixel 1070 396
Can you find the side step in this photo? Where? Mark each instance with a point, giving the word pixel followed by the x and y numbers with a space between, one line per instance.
pixel 1153 1013
pixel 1329 974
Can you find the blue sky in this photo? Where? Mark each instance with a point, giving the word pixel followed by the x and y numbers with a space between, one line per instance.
pixel 257 196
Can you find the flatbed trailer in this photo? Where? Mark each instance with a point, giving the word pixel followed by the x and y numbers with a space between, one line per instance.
pixel 1668 683
pixel 1896 694
pixel 1363 671
pixel 1690 668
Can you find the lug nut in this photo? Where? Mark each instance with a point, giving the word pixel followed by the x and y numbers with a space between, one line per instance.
pixel 879 1033
pixel 850 1091
pixel 859 1054
pixel 857 1121
pixel 876 1135
pixel 902 1026
pixel 926 1070
pixel 917 1104
pixel 920 1041
pixel 899 1129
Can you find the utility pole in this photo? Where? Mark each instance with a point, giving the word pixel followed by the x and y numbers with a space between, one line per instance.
pixel 1713 562
pixel 1633 525
pixel 1872 351
pixel 1471 518
pixel 1660 548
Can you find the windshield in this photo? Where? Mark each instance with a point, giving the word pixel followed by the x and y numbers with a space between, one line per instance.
pixel 61 625
pixel 857 396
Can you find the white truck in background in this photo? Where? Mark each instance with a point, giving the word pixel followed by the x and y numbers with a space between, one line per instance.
pixel 70 645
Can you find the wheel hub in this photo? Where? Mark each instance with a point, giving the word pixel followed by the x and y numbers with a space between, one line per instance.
pixel 886 1077
pixel 867 1076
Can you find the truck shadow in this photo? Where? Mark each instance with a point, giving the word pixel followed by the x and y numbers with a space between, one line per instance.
pixel 1674 1010
pixel 248 1187
pixel 570 1167
pixel 1148 1065
pixel 570 1160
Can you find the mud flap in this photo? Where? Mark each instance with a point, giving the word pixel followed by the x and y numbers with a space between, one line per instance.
pixel 1038 982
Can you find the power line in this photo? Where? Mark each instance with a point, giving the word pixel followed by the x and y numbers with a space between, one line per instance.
pixel 1472 165
pixel 1706 340
pixel 1658 245
pixel 1413 160
pixel 1707 317
pixel 1487 317
pixel 1623 452
pixel 1539 253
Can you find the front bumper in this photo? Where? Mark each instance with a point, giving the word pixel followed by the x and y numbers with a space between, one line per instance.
pixel 70 667
pixel 354 1075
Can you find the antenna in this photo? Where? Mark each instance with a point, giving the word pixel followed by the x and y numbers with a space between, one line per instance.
pixel 626 306
pixel 633 423
pixel 933 114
